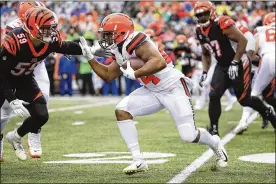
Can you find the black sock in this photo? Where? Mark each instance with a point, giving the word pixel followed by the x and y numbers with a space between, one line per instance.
pixel 214 114
pixel 26 127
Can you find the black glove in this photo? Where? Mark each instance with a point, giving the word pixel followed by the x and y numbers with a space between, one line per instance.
pixel 202 78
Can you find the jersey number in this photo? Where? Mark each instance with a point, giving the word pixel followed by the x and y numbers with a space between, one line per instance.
pixel 22 38
pixel 155 80
pixel 214 48
pixel 24 68
pixel 270 35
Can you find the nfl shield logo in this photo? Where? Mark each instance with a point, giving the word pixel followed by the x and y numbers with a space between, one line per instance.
pixel 200 37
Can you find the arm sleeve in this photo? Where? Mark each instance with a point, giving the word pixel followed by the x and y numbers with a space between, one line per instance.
pixel 6 60
pixel 67 47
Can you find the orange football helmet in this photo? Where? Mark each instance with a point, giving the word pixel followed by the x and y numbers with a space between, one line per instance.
pixel 114 29
pixel 269 19
pixel 204 12
pixel 149 32
pixel 181 38
pixel 24 6
pixel 41 23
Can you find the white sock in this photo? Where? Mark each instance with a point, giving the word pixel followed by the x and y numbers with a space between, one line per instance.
pixel 227 95
pixel 206 138
pixel 246 112
pixel 130 135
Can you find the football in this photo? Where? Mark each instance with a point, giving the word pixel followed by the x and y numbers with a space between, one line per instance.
pixel 135 63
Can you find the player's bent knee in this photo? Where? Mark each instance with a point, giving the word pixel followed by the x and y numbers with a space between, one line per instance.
pixel 122 115
pixel 187 132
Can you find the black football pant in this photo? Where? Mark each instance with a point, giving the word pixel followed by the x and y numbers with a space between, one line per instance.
pixel 242 88
pixel 27 89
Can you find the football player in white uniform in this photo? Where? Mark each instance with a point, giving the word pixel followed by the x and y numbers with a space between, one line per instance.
pixel 42 79
pixel 163 87
pixel 265 47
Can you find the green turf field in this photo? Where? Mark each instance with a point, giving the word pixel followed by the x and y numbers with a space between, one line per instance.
pixel 157 133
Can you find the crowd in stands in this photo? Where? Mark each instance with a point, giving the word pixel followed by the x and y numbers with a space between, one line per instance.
pixel 168 19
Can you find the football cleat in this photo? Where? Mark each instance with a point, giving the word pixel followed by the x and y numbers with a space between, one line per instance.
pixel 34 145
pixel 269 116
pixel 230 104
pixel 1 147
pixel 242 126
pixel 220 152
pixel 16 144
pixel 136 166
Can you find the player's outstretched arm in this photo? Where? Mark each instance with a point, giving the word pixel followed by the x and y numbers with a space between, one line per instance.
pixel 154 60
pixel 234 34
pixel 107 73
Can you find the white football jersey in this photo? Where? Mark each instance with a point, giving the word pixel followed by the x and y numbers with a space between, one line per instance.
pixel 158 81
pixel 266 36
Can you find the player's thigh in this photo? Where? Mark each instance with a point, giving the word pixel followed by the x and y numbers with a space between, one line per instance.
pixel 219 83
pixel 140 102
pixel 263 78
pixel 178 102
pixel 28 90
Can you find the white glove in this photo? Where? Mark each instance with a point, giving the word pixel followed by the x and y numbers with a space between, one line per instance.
pixel 19 109
pixel 97 50
pixel 128 72
pixel 233 70
pixel 86 51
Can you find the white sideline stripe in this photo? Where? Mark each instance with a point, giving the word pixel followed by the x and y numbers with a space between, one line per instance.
pixel 82 106
pixel 78 107
pixel 197 163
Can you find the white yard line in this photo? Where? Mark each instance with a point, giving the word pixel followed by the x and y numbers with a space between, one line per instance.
pixel 197 163
pixel 83 106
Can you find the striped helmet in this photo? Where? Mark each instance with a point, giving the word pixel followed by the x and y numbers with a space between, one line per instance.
pixel 41 23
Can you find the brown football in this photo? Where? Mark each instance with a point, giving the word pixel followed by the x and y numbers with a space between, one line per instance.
pixel 135 63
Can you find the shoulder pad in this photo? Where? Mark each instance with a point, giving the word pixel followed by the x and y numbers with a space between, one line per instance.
pixel 11 42
pixel 134 41
pixel 225 22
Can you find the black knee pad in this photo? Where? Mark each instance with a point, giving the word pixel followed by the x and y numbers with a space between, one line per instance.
pixel 214 96
pixel 244 102
pixel 39 111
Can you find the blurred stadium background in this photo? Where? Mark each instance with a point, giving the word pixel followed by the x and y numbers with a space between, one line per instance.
pixel 168 19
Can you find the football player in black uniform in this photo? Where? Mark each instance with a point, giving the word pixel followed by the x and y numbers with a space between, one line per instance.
pixel 22 50
pixel 218 36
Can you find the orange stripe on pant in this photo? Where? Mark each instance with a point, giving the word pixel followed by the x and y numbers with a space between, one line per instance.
pixel 38 95
pixel 271 88
pixel 246 78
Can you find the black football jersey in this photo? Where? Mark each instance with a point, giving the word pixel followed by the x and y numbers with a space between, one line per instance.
pixel 19 57
pixel 218 44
